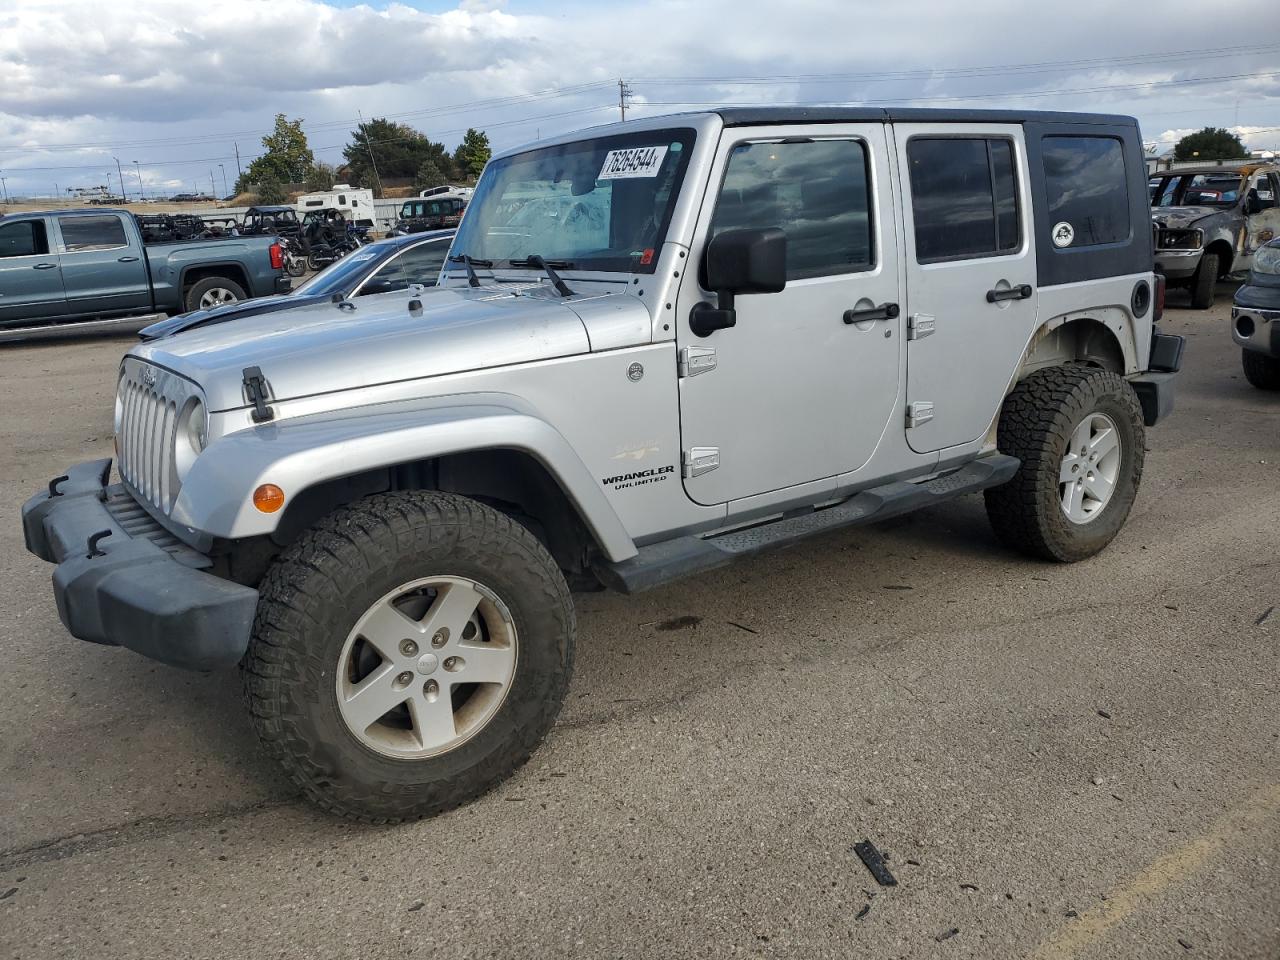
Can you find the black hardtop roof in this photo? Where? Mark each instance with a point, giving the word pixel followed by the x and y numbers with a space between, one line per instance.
pixel 273 208
pixel 764 116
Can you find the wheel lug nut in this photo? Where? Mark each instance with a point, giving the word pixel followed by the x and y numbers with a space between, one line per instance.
pixel 441 637
pixel 453 663
pixel 404 679
pixel 431 690
pixel 408 648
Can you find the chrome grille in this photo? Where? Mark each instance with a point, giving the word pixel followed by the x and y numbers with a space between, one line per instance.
pixel 150 400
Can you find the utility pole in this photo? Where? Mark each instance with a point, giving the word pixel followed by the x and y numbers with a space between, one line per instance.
pixel 624 92
pixel 57 194
pixel 124 195
pixel 369 146
pixel 225 191
pixel 142 194
pixel 4 187
pixel 239 172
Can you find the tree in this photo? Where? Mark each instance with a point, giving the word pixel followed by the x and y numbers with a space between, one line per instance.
pixel 288 158
pixel 271 191
pixel 1211 143
pixel 472 153
pixel 320 177
pixel 429 175
pixel 398 149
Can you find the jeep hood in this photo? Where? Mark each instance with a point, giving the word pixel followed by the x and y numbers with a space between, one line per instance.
pixel 1179 218
pixel 325 348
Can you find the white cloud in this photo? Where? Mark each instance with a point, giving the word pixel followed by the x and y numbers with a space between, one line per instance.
pixel 169 81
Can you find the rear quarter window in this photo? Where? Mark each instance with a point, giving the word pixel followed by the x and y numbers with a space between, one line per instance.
pixel 1086 189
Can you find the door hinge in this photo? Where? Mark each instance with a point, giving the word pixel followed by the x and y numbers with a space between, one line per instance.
pixel 696 360
pixel 921 411
pixel 700 460
pixel 919 326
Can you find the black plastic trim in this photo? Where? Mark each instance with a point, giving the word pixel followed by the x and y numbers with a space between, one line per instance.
pixel 1155 393
pixel 114 589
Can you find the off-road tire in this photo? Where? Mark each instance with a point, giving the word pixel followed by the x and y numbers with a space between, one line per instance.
pixel 1204 283
pixel 309 602
pixel 201 287
pixel 1261 370
pixel 1036 424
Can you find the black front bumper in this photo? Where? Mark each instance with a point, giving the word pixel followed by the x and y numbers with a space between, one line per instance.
pixel 137 586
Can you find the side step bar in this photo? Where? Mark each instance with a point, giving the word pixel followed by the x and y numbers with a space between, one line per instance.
pixel 663 562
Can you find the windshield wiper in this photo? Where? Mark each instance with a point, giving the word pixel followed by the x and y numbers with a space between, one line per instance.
pixel 470 263
pixel 548 267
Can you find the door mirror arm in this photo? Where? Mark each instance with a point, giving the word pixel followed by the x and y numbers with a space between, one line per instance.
pixel 704 319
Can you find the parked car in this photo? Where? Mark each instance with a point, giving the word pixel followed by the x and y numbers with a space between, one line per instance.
pixel 77 265
pixel 1209 221
pixel 380 267
pixel 1255 319
pixel 433 213
pixel 659 346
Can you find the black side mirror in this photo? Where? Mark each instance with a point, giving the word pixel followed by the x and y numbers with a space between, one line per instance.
pixel 739 261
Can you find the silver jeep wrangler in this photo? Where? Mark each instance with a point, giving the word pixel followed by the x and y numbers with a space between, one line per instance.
pixel 656 347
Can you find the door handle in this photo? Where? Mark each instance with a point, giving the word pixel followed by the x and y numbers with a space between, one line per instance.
pixel 127 260
pixel 44 266
pixel 1013 293
pixel 886 311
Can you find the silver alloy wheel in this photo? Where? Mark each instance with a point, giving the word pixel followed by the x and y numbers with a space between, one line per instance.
pixel 426 667
pixel 1090 469
pixel 216 296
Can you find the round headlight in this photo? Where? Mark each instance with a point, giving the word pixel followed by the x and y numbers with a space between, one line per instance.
pixel 1267 259
pixel 198 427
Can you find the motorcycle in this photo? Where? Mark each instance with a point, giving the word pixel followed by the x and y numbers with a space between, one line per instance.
pixel 295 262
pixel 322 254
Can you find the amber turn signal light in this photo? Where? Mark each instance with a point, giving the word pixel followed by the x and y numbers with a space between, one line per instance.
pixel 268 498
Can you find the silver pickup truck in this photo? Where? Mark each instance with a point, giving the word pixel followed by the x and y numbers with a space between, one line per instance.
pixel 657 347
pixel 80 266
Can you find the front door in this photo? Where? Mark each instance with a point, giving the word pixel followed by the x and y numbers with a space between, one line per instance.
pixel 103 273
pixel 803 386
pixel 971 275
pixel 1262 213
pixel 30 280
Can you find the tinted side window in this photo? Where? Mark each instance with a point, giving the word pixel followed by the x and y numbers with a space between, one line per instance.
pixel 964 198
pixel 91 233
pixel 1087 188
pixel 815 191
pixel 25 238
pixel 422 264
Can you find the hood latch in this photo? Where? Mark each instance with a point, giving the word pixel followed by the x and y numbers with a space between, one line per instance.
pixel 255 389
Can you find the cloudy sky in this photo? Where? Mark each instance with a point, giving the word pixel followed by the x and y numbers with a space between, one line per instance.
pixel 177 84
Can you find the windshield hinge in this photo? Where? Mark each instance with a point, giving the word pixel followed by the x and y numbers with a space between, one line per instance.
pixel 257 393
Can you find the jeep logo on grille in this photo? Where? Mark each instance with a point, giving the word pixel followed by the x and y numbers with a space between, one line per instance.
pixel 148 376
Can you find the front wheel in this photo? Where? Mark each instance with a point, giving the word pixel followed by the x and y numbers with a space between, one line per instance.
pixel 1204 283
pixel 409 653
pixel 1261 370
pixel 1079 433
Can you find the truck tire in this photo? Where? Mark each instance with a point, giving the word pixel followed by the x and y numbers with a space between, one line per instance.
pixel 1261 370
pixel 371 713
pixel 212 292
pixel 1078 431
pixel 1205 282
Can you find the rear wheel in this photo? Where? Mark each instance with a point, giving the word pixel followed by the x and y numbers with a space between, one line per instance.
pixel 1205 282
pixel 408 654
pixel 213 292
pixel 1261 370
pixel 1078 431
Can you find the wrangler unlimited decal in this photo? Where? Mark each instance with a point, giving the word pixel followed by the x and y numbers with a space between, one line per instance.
pixel 653 475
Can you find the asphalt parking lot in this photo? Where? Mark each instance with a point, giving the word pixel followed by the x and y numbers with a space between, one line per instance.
pixel 1060 761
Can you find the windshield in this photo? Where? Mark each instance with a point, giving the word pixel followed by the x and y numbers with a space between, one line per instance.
pixel 601 204
pixel 1196 189
pixel 341 275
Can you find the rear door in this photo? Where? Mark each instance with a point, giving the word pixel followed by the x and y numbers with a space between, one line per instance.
pixel 30 279
pixel 803 386
pixel 102 264
pixel 971 275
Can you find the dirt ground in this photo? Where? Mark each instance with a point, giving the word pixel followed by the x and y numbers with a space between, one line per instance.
pixel 1059 761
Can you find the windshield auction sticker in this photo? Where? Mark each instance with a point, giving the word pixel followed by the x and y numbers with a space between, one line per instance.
pixel 634 162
